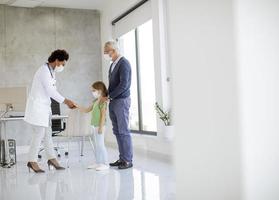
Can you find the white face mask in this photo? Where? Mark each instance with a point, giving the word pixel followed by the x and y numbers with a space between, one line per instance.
pixel 107 57
pixel 59 68
pixel 96 94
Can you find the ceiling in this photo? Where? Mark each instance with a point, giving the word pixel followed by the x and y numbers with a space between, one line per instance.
pixel 78 4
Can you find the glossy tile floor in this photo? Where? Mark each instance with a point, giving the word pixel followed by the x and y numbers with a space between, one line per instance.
pixel 150 179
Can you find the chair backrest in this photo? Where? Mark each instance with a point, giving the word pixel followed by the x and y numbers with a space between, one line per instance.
pixel 56 123
pixel 78 124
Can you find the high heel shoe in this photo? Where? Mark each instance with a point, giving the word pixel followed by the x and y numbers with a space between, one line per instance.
pixel 55 165
pixel 30 166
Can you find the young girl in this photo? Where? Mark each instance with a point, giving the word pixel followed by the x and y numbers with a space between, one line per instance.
pixel 98 112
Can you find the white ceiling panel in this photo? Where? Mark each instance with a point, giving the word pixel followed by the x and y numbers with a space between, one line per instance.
pixel 25 3
pixel 77 4
pixel 4 1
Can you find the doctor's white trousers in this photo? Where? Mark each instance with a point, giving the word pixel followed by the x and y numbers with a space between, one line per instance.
pixel 39 134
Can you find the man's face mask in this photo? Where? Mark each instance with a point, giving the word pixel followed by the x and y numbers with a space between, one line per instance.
pixel 107 56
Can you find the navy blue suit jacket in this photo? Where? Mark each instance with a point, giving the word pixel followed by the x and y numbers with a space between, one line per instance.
pixel 120 80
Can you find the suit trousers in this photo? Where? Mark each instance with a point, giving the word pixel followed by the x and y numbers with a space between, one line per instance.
pixel 119 115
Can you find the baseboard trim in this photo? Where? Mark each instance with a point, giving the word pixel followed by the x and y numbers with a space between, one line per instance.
pixel 151 154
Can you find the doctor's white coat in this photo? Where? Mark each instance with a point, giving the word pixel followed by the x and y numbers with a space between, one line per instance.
pixel 38 106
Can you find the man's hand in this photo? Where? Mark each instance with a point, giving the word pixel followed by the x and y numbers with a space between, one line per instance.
pixel 106 99
pixel 70 103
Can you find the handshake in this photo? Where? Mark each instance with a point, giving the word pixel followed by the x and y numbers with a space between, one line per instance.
pixel 70 104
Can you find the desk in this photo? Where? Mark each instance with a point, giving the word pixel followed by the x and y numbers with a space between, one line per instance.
pixel 3 122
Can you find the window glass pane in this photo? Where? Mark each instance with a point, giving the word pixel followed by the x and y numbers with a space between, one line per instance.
pixel 128 50
pixel 147 76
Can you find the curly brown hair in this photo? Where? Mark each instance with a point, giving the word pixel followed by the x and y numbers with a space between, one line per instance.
pixel 59 54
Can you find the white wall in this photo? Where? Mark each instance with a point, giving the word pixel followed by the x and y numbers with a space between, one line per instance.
pixel 112 9
pixel 258 51
pixel 203 63
pixel 230 73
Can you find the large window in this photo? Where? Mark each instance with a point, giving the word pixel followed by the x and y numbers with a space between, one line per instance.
pixel 137 47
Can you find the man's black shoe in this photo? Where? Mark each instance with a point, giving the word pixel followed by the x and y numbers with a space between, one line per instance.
pixel 116 163
pixel 125 165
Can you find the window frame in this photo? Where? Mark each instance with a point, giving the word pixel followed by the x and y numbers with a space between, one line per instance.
pixel 139 95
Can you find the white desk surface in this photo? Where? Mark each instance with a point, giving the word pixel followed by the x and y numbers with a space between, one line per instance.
pixel 21 118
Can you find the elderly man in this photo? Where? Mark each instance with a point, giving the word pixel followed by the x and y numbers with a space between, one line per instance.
pixel 119 95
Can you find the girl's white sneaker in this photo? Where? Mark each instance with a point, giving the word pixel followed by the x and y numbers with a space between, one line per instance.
pixel 94 166
pixel 102 167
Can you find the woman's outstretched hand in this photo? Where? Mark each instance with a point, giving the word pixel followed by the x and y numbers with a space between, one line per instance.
pixel 70 103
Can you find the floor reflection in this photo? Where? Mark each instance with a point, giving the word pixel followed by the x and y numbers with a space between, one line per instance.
pixel 125 181
pixel 143 182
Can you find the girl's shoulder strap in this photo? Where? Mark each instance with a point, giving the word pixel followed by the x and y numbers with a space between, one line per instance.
pixel 102 104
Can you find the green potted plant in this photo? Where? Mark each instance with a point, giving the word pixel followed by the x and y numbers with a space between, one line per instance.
pixel 165 116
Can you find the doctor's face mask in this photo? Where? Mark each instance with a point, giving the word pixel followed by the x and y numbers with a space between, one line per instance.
pixel 59 66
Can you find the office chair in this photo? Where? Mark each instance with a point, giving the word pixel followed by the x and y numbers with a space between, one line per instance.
pixel 57 125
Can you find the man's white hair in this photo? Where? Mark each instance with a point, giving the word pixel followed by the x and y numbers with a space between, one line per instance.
pixel 113 45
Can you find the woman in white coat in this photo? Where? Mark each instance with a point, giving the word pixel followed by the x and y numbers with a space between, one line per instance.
pixel 38 109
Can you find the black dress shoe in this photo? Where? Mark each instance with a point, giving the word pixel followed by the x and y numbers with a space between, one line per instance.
pixel 116 163
pixel 125 165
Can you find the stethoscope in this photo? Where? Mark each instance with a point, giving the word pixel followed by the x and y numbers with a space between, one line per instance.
pixel 51 74
pixel 49 70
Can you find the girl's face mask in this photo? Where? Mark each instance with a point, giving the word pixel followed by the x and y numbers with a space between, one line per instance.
pixel 96 94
